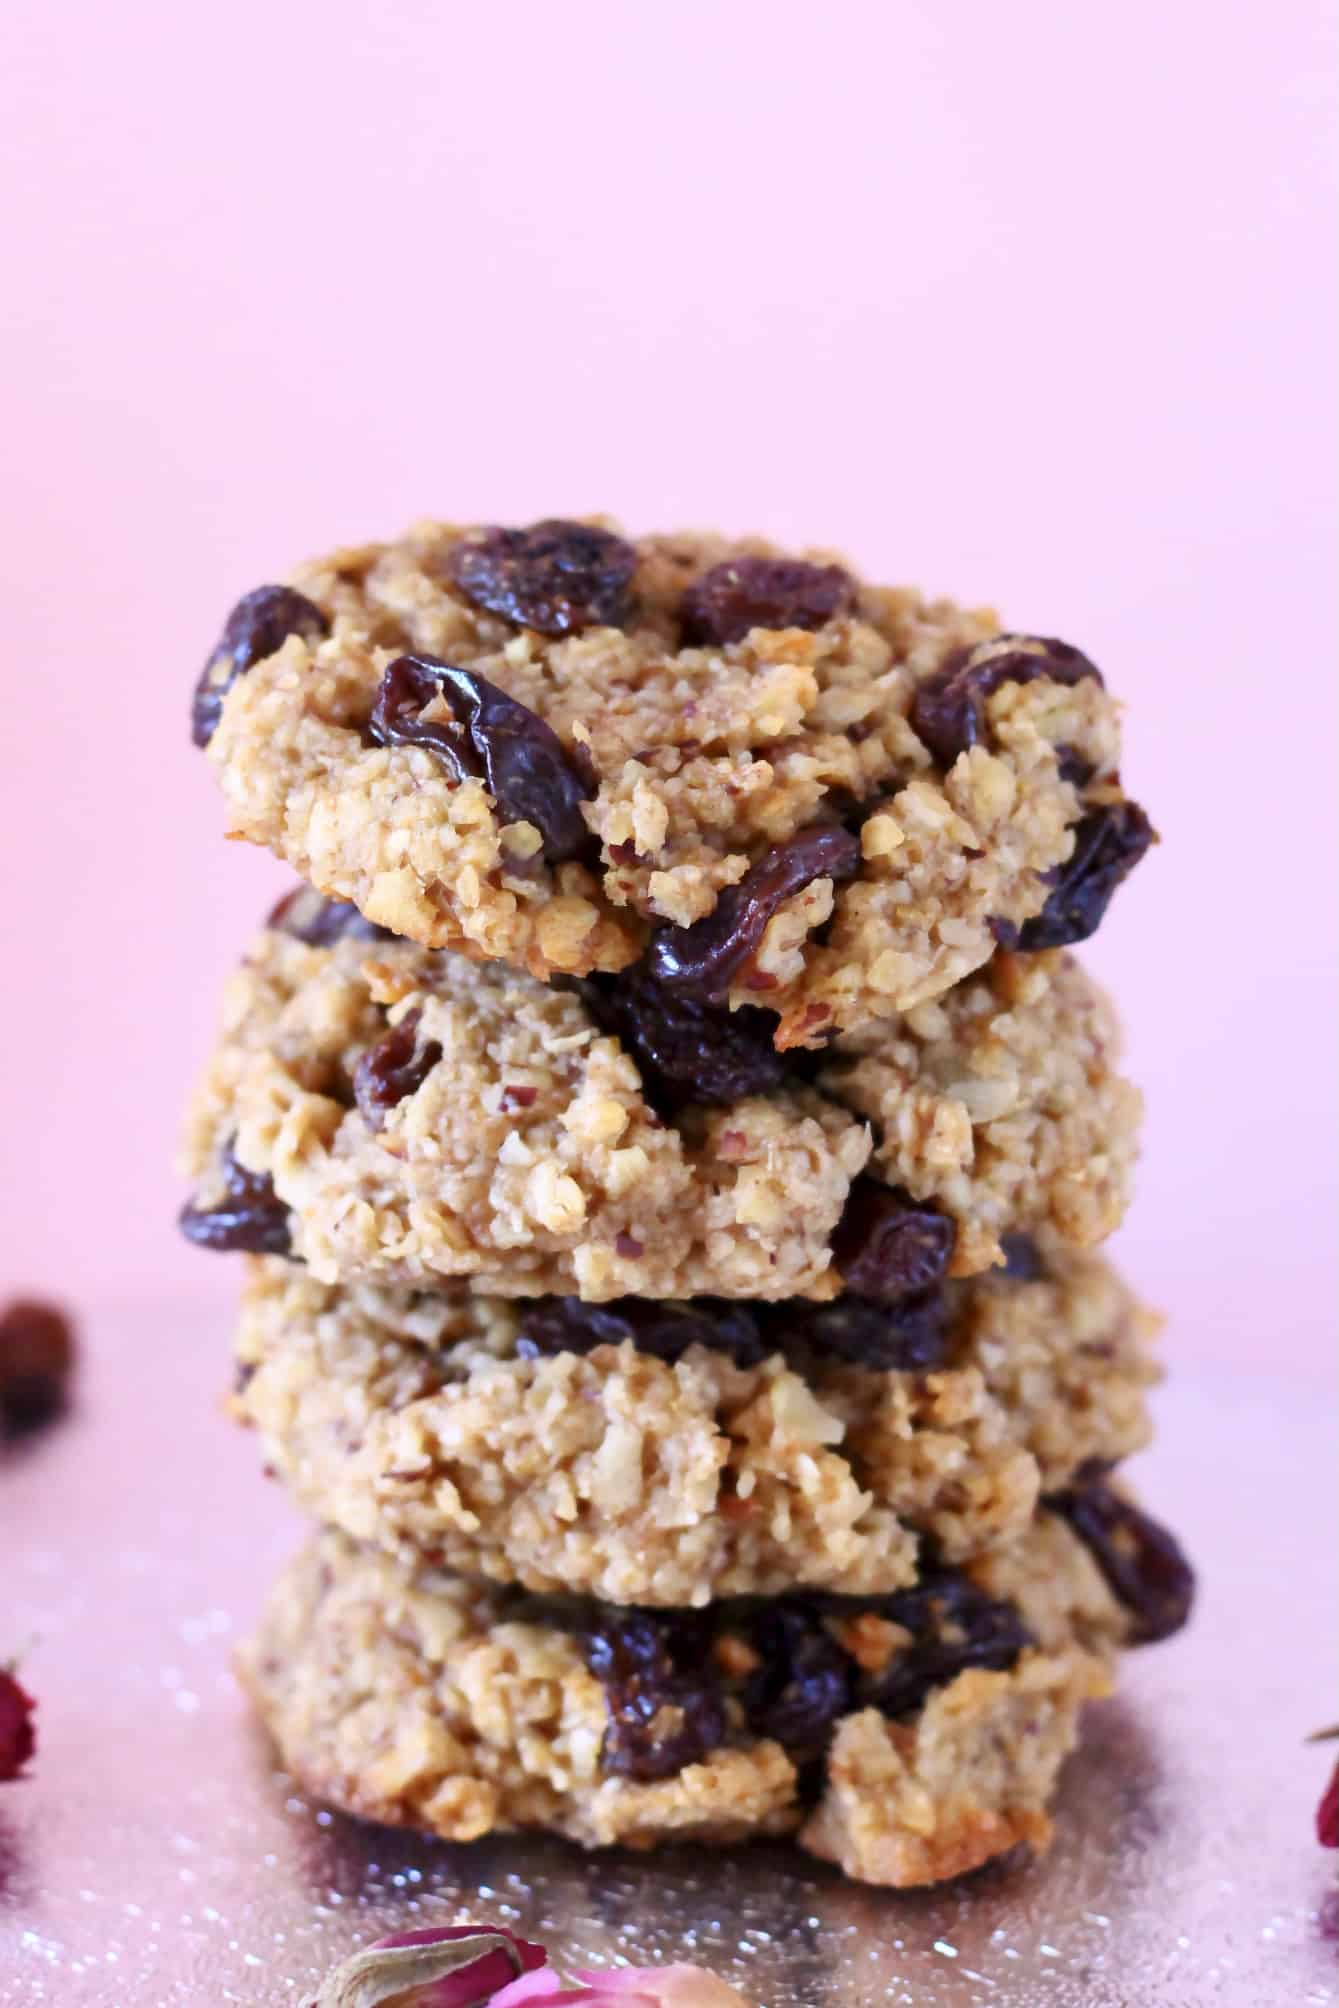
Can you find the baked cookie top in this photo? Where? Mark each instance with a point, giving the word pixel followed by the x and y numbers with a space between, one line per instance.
pixel 392 1113
pixel 759 778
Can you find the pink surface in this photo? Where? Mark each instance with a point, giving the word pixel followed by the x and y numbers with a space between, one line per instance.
pixel 154 1857
pixel 1022 302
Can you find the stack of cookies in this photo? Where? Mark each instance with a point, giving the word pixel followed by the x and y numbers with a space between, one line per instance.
pixel 671 1138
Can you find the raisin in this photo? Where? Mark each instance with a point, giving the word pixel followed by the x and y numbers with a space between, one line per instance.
pixel 1073 767
pixel 1022 1259
pixel 18 1733
pixel 258 625
pixel 687 1051
pixel 803 1684
pixel 732 599
pixel 488 737
pixel 1108 844
pixel 309 916
pixel 888 1247
pixel 954 1626
pixel 556 577
pixel 396 1067
pixel 36 1355
pixel 665 1330
pixel 251 1217
pixel 666 1709
pixel 907 1337
pixel 701 961
pixel 1142 1564
pixel 948 712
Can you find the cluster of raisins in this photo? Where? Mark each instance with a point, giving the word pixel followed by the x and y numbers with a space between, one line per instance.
pixel 908 1337
pixel 674 1694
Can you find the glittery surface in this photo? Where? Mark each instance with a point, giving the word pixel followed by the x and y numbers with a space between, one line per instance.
pixel 155 1856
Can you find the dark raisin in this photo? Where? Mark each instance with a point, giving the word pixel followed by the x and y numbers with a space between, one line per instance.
pixel 257 626
pixel 1073 767
pixel 666 1330
pixel 251 1217
pixel 396 1067
pixel 732 599
pixel 888 1247
pixel 666 1709
pixel 18 1732
pixel 556 577
pixel 1108 844
pixel 803 1683
pixel 36 1355
pixel 906 1337
pixel 488 737
pixel 954 1626
pixel 1022 1259
pixel 687 1051
pixel 309 916
pixel 701 961
pixel 948 711
pixel 1142 1564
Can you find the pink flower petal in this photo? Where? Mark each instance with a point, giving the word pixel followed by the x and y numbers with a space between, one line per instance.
pixel 546 1990
pixel 676 1986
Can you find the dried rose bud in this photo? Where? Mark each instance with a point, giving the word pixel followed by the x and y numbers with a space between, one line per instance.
pixel 18 1732
pixel 36 1356
pixel 448 1966
pixel 479 1966
pixel 1327 1813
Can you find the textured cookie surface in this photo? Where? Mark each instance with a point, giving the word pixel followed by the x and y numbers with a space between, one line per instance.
pixel 561 750
pixel 434 1704
pixel 430 1427
pixel 405 1115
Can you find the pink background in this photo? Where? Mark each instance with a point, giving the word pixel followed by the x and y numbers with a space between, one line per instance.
pixel 1030 303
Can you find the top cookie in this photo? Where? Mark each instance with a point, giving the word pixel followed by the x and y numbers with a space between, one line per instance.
pixel 566 751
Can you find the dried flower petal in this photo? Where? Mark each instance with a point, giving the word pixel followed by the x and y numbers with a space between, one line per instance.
pixel 1327 1813
pixel 626 1987
pixel 18 1734
pixel 546 1990
pixel 677 1986
pixel 449 1966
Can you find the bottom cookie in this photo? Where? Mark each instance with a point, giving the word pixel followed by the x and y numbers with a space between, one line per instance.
pixel 908 1738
